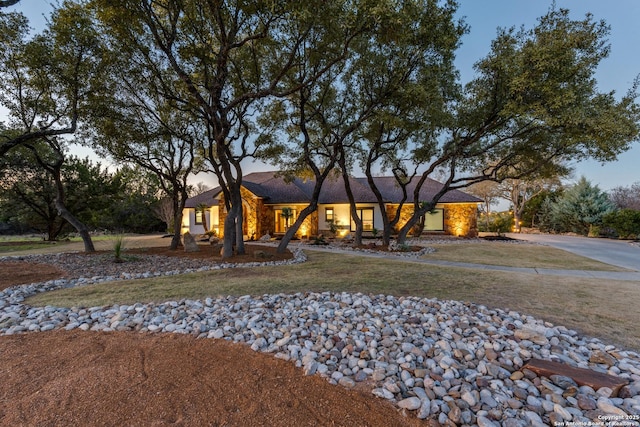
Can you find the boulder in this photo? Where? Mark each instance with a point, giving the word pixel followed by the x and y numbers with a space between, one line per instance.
pixel 189 242
pixel 581 376
pixel 265 238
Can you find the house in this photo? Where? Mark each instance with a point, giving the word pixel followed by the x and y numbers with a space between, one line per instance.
pixel 200 210
pixel 266 194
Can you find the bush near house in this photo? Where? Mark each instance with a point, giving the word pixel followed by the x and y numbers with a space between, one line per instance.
pixel 496 222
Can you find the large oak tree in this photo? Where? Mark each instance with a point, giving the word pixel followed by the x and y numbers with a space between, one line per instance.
pixel 227 59
pixel 534 103
pixel 45 82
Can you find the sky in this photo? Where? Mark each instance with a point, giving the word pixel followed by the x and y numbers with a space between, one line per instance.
pixel 615 73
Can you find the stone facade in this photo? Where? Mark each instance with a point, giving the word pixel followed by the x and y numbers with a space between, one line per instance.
pixel 251 205
pixel 250 209
pixel 460 219
pixel 266 219
pixel 259 219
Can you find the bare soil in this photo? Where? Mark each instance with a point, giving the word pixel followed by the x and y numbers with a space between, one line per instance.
pixel 65 378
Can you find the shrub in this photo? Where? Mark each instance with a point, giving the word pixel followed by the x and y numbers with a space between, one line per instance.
pixel 499 223
pixel 118 247
pixel 625 223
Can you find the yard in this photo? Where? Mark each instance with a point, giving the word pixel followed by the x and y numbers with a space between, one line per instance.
pixel 70 377
pixel 590 306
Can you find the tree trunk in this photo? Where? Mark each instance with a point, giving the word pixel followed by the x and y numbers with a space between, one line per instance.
pixel 516 220
pixel 388 224
pixel 402 234
pixel 236 196
pixel 204 219
pixel 312 207
pixel 357 240
pixel 229 239
pixel 51 231
pixel 175 239
pixel 80 227
pixel 177 221
pixel 420 226
pixel 291 231
pixel 418 212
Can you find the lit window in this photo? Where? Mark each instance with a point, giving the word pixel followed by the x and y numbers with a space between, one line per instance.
pixel 199 216
pixel 366 215
pixel 282 222
pixel 328 214
pixel 434 220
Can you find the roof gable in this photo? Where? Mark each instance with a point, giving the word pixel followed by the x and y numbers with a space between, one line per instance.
pixel 208 198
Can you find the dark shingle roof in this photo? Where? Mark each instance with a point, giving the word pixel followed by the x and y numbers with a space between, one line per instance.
pixel 209 198
pixel 274 189
pixel 391 192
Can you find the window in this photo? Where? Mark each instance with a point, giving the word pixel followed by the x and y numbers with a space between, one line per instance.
pixel 434 220
pixel 366 215
pixel 199 214
pixel 282 223
pixel 328 214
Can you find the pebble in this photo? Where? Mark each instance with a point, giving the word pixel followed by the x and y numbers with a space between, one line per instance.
pixel 410 403
pixel 459 363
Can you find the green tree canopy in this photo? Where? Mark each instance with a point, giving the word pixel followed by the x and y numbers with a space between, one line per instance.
pixel 223 61
pixel 533 104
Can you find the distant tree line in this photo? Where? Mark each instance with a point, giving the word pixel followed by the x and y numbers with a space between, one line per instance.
pixel 124 201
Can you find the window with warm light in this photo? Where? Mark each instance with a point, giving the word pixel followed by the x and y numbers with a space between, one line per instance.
pixel 282 223
pixel 328 214
pixel 434 220
pixel 366 215
pixel 199 214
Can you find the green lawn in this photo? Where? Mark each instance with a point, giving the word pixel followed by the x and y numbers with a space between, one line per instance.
pixel 28 245
pixel 516 255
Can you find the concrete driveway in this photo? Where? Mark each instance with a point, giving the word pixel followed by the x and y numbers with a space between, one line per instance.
pixel 615 252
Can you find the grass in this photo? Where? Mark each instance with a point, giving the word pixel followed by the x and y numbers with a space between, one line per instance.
pixel 8 247
pixel 29 245
pixel 516 255
pixel 603 310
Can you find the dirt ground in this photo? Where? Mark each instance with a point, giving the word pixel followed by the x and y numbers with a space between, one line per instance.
pixel 72 378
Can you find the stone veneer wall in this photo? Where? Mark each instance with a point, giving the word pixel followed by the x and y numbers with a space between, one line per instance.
pixel 460 219
pixel 251 220
pixel 260 219
pixel 266 219
pixel 311 222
